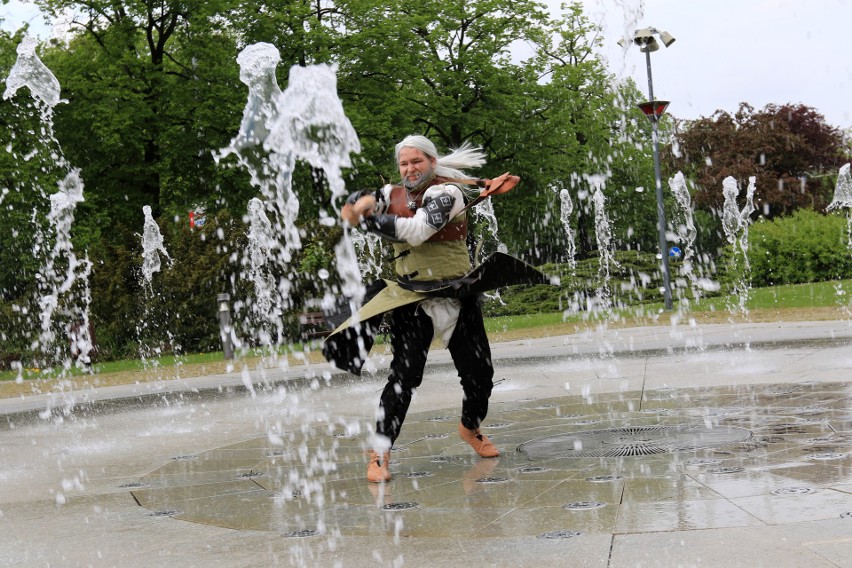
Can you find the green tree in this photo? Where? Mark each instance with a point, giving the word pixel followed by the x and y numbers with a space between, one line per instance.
pixel 466 88
pixel 32 168
pixel 26 180
pixel 580 126
pixel 442 69
pixel 788 148
pixel 305 32
pixel 151 89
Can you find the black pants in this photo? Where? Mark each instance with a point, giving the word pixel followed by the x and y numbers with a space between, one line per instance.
pixel 411 335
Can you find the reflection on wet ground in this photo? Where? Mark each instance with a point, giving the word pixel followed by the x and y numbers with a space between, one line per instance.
pixel 617 463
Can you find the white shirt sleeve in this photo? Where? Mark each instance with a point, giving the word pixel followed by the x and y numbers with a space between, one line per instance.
pixel 416 230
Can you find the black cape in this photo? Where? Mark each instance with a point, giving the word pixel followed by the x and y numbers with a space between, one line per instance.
pixel 349 344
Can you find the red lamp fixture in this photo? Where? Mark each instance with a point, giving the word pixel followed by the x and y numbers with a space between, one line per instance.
pixel 654 109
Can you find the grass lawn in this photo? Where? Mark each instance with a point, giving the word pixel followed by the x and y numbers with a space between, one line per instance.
pixel 800 302
pixel 804 302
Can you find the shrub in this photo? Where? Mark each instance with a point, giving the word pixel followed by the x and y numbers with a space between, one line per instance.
pixel 634 278
pixel 803 247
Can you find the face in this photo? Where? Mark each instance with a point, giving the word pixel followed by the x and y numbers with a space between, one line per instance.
pixel 414 167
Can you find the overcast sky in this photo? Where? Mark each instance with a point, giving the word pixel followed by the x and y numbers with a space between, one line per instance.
pixel 726 52
pixel 732 51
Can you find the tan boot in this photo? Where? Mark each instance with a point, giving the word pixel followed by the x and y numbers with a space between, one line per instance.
pixel 479 442
pixel 377 470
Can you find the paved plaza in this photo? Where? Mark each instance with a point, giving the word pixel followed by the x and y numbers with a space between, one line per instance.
pixel 708 445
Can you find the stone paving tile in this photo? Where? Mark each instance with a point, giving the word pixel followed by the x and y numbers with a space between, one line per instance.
pixel 440 488
pixel 685 515
pixel 289 475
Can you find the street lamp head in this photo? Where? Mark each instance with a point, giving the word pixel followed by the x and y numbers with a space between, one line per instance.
pixel 666 38
pixel 646 41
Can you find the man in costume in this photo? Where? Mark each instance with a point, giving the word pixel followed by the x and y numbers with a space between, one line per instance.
pixel 425 220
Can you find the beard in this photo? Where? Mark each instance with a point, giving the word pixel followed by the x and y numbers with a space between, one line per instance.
pixel 424 177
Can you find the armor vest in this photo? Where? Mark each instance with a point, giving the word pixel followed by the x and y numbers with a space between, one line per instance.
pixel 455 230
pixel 443 256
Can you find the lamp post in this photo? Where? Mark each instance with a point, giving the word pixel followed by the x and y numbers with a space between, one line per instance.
pixel 654 109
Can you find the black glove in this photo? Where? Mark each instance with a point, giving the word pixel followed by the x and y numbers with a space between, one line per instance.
pixel 383 225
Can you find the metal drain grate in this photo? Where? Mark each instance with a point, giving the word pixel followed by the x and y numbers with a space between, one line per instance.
pixel 417 474
pixel 447 459
pixel 826 456
pixel 583 506
pixel 300 534
pixel 632 441
pixel 493 480
pixel 165 513
pixel 604 478
pixel 726 470
pixel 250 475
pixel 702 462
pixel 793 491
pixel 278 453
pixel 400 506
pixel 134 485
pixel 560 535
pixel 188 457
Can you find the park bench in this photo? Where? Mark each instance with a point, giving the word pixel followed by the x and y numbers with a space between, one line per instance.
pixel 313 325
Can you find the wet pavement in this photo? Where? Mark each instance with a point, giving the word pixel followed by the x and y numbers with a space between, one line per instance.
pixel 657 446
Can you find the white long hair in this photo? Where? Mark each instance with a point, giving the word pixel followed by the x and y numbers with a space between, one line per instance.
pixel 453 164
